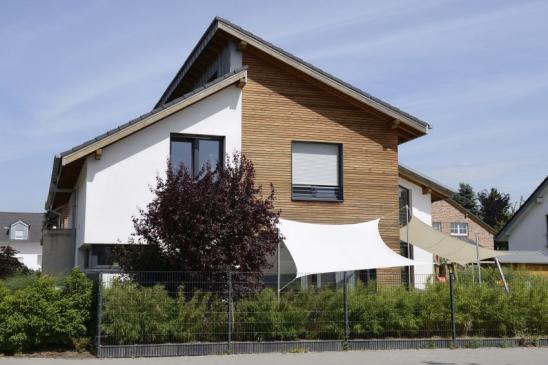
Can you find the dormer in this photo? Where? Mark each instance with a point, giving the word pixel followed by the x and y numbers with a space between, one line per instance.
pixel 19 231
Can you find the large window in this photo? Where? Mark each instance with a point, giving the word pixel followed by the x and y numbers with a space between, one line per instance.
pixel 195 152
pixel 316 171
pixel 405 205
pixel 101 257
pixel 459 229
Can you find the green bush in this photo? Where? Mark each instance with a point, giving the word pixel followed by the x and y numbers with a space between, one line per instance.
pixel 42 315
pixel 131 311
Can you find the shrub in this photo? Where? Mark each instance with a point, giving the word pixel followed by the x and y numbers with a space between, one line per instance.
pixel 481 310
pixel 203 317
pixel 134 314
pixel 43 315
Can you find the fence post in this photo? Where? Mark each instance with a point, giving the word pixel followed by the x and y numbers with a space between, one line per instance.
pixel 99 310
pixel 229 321
pixel 346 324
pixel 452 299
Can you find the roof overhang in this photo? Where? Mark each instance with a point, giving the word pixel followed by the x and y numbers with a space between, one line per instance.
pixel 437 191
pixel 72 160
pixel 410 126
pixel 504 233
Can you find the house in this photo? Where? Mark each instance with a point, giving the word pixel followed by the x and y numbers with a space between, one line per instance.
pixel 23 232
pixel 525 235
pixel 451 218
pixel 329 149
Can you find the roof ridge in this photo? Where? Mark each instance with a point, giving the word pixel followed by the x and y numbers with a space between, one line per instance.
pixel 213 27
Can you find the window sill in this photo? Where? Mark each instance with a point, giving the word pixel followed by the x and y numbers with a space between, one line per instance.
pixel 311 199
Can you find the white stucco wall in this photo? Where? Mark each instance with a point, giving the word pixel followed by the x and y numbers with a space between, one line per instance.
pixel 27 253
pixel 422 209
pixel 118 184
pixel 529 232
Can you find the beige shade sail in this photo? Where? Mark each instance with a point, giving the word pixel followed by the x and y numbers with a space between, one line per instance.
pixel 450 248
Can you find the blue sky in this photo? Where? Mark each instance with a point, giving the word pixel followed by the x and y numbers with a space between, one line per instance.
pixel 477 71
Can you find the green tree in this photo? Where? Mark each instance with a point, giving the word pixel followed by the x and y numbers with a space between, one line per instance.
pixel 466 197
pixel 495 208
pixel 9 264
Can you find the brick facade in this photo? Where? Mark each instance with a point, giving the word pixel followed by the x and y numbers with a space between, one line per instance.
pixel 446 213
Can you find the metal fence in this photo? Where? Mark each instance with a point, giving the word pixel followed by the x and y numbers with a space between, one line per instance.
pixel 176 313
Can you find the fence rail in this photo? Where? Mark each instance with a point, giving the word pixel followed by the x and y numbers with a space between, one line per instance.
pixel 181 312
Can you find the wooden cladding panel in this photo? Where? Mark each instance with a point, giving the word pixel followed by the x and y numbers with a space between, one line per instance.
pixel 280 106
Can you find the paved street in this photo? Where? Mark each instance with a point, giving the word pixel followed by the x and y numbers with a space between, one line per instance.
pixel 486 356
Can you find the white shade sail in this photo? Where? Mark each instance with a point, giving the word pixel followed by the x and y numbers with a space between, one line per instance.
pixel 323 248
pixel 453 249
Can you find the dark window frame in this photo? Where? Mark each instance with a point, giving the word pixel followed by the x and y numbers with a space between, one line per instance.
pixel 409 205
pixel 194 140
pixel 92 257
pixel 312 189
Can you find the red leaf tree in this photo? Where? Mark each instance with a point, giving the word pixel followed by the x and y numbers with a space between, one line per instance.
pixel 217 221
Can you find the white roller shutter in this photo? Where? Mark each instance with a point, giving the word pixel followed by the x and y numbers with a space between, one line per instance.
pixel 315 164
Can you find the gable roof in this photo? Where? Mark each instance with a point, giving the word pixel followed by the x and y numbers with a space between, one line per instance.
pixel 33 220
pixel 220 24
pixel 472 216
pixel 71 156
pixel 437 190
pixel 503 234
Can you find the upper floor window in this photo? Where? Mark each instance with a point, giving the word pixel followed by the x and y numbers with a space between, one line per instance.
pixel 405 205
pixel 437 226
pixel 195 152
pixel 19 231
pixel 316 171
pixel 459 229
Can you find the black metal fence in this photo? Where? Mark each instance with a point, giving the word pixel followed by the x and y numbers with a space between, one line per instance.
pixel 174 313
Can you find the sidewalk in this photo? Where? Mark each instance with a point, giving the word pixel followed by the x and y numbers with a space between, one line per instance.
pixel 485 356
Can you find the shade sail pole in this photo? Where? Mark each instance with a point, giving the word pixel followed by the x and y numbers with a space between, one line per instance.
pixel 502 275
pixel 408 246
pixel 478 259
pixel 278 269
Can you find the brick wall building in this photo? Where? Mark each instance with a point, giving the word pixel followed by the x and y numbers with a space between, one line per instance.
pixel 451 218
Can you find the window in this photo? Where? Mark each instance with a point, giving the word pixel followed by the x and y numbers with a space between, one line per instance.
pixel 100 256
pixel 405 205
pixel 459 229
pixel 437 226
pixel 19 231
pixel 316 170
pixel 196 152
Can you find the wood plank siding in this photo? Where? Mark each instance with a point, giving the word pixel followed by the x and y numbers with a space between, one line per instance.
pixel 279 106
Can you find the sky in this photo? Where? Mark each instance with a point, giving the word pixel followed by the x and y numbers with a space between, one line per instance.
pixel 477 71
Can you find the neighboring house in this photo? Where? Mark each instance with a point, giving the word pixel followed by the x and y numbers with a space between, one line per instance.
pixel 525 235
pixel 23 232
pixel 329 149
pixel 420 193
pixel 451 218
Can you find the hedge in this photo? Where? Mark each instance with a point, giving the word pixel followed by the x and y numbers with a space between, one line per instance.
pixel 41 314
pixel 133 314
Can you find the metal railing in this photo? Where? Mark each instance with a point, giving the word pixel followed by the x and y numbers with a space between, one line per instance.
pixel 154 308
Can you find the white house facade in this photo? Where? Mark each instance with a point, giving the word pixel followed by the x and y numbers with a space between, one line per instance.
pixel 528 228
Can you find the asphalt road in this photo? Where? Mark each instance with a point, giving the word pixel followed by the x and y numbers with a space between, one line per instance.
pixel 484 356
